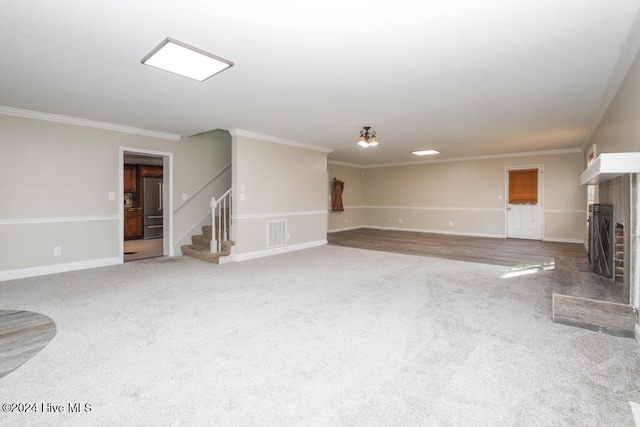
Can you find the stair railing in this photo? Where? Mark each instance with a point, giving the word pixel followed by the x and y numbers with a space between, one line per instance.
pixel 220 209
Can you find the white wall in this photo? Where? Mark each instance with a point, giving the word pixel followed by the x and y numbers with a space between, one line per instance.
pixel 277 180
pixel 56 178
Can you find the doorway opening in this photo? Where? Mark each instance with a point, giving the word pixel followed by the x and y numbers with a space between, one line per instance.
pixel 524 215
pixel 146 212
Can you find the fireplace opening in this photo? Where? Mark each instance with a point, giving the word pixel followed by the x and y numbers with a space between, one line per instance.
pixel 601 247
pixel 619 253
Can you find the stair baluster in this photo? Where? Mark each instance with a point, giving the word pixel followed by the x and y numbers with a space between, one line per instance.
pixel 214 242
pixel 220 220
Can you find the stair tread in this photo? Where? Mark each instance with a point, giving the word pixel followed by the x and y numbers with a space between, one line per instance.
pixel 197 248
pixel 200 247
pixel 204 253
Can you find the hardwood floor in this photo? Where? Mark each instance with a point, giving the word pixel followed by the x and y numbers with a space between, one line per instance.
pixel 569 261
pixel 22 335
pixel 508 252
pixel 142 249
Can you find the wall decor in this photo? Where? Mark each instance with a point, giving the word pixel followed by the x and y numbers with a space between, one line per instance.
pixel 336 195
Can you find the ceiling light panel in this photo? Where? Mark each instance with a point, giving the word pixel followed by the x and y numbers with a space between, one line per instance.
pixel 188 61
pixel 425 152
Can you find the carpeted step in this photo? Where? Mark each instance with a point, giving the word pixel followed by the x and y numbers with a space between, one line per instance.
pixel 226 247
pixel 201 240
pixel 207 231
pixel 203 253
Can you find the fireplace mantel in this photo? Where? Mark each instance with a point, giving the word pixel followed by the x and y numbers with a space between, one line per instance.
pixel 610 165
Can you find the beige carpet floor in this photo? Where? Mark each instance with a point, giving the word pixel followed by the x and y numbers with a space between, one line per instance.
pixel 328 336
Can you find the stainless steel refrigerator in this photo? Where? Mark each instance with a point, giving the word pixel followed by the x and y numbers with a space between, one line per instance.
pixel 152 207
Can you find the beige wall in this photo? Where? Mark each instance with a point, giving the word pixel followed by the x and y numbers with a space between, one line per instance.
pixel 619 130
pixel 205 156
pixel 275 180
pixel 56 179
pixel 466 197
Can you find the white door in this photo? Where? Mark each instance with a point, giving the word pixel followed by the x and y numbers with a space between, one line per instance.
pixel 524 221
pixel 524 210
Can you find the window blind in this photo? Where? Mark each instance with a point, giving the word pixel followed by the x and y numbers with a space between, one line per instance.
pixel 523 186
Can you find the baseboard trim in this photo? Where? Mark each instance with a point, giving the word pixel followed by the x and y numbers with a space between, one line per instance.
pixel 277 251
pixel 24 273
pixel 557 240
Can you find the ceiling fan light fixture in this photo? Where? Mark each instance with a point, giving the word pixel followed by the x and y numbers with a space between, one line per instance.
pixel 367 139
pixel 188 61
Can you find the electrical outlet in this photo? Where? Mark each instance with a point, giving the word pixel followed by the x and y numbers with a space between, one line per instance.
pixel 400 221
pixel 57 250
pixel 111 195
pixel 185 196
pixel 450 223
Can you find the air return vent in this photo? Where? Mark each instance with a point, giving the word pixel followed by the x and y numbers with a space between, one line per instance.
pixel 276 233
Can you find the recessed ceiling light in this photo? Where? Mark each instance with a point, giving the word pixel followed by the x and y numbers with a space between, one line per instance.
pixel 425 152
pixel 188 61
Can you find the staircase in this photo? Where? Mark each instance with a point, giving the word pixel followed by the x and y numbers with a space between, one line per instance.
pixel 200 247
pixel 214 241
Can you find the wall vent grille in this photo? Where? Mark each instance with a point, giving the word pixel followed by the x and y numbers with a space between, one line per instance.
pixel 276 233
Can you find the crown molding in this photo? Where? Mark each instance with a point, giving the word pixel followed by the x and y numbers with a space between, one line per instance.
pixel 29 114
pixel 277 140
pixel 351 165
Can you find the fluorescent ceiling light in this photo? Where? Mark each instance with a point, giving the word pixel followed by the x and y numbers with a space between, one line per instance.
pixel 425 152
pixel 180 58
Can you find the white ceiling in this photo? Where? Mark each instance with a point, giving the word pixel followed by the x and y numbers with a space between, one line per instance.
pixel 466 77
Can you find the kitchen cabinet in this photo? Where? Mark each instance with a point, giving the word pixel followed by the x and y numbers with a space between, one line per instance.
pixel 132 223
pixel 151 171
pixel 130 178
